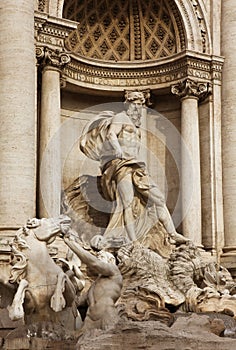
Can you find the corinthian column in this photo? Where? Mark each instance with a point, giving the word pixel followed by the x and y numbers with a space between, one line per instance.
pixel 17 114
pixel 229 128
pixel 190 92
pixel 50 122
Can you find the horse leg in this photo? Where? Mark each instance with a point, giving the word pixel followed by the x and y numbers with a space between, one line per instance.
pixel 57 300
pixel 16 310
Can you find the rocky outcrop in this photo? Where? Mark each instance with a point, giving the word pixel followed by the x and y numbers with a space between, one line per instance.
pixel 193 332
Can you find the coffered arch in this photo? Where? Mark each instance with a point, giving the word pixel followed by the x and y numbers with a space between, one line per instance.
pixel 120 30
pixel 191 12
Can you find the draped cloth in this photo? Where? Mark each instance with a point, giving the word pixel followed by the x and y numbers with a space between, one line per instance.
pixel 144 215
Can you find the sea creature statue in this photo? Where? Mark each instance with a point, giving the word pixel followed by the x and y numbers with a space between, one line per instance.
pixel 43 288
pixel 154 285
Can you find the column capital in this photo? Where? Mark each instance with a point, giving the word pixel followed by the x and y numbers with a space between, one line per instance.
pixel 192 88
pixel 139 96
pixel 48 57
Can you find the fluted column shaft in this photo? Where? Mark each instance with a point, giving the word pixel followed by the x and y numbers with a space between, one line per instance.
pixel 17 114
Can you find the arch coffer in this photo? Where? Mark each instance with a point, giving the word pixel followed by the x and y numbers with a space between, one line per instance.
pixel 123 30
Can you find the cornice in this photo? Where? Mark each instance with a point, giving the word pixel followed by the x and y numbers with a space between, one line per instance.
pixel 51 30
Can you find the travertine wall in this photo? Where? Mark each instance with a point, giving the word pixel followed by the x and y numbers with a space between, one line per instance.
pixel 164 143
pixel 77 110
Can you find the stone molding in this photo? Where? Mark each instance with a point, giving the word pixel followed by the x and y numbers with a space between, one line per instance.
pixel 52 31
pixel 201 23
pixel 5 251
pixel 190 88
pixel 97 74
pixel 161 74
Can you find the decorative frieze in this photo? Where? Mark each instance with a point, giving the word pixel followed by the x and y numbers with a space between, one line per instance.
pixel 52 32
pixel 193 88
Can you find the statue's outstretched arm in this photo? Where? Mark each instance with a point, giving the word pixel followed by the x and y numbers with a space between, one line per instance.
pixel 102 268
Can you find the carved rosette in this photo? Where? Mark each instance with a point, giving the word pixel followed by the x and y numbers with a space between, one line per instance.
pixel 53 58
pixel 191 88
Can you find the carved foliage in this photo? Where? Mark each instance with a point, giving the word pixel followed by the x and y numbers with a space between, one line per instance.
pixel 190 87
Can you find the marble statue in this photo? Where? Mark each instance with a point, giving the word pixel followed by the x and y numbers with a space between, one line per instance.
pixel 139 230
pixel 137 203
pixel 162 271
pixel 43 288
pixel 104 290
pixel 153 285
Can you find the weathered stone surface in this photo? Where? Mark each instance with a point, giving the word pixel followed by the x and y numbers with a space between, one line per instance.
pixel 17 110
pixel 37 344
pixel 188 333
pixel 17 343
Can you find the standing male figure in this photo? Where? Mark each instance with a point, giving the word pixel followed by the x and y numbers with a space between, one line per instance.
pixel 115 142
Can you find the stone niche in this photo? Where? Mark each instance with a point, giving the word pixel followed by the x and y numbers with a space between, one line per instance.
pixel 161 136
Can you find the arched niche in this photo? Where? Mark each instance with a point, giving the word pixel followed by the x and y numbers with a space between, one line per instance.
pixel 193 16
pixel 120 30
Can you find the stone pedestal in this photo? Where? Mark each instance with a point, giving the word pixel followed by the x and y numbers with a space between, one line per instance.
pixel 17 114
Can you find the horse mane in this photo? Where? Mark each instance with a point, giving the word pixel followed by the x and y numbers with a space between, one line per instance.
pixel 19 259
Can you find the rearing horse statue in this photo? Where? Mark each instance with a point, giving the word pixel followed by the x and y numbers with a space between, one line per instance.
pixel 43 288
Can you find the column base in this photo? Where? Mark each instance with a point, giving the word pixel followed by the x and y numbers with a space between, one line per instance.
pixel 208 256
pixel 7 232
pixel 229 250
pixel 228 260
